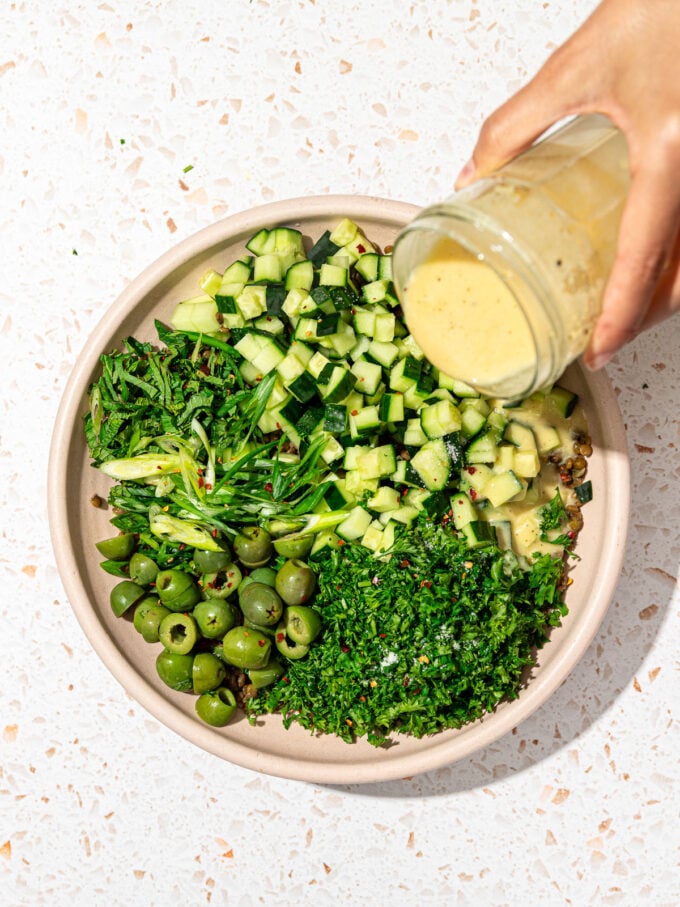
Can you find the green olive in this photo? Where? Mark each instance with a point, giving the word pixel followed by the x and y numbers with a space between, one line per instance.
pixel 124 595
pixel 215 617
pixel 295 582
pixel 302 623
pixel 118 548
pixel 177 590
pixel 221 584
pixel 175 670
pixel 266 575
pixel 246 648
pixel 261 604
pixel 149 625
pixel 216 707
pixel 263 677
pixel 143 569
pixel 295 547
pixel 208 672
pixel 287 646
pixel 253 546
pixel 211 561
pixel 141 609
pixel 178 633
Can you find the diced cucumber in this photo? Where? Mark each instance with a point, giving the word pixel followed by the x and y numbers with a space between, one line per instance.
pixel 367 266
pixel 385 499
pixel 439 419
pixel 251 302
pixel 268 268
pixel 405 373
pixel 368 375
pixel 526 463
pixel 364 421
pixel 471 421
pixel 479 534
pixel 300 275
pixel 377 462
pixel 414 436
pixel 464 510
pixel 520 435
pixel 502 488
pixel 563 400
pixel 584 491
pixel 322 249
pixel 333 275
pixel 382 352
pixel 344 232
pixel 392 407
pixel 432 464
pixel 482 449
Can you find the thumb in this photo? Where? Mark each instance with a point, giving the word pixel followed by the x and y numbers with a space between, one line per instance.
pixel 551 95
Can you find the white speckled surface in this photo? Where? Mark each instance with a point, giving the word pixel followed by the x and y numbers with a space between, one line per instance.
pixel 102 106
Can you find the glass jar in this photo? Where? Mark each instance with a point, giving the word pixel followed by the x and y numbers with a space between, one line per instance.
pixel 501 284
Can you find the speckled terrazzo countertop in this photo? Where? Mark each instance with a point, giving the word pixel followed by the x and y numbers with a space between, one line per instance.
pixel 104 107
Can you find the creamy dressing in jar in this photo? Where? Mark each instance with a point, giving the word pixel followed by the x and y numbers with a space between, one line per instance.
pixel 539 239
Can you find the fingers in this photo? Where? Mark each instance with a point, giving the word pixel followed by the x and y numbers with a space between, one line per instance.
pixel 647 236
pixel 555 92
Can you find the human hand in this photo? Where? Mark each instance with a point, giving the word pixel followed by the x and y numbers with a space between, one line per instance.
pixel 623 62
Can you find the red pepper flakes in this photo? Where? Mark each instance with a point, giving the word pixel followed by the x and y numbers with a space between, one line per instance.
pixel 405 563
pixel 426 583
pixel 344 648
pixel 341 542
pixel 268 487
pixel 286 679
pixel 361 248
pixel 261 643
pixel 383 635
pixel 473 494
pixel 201 483
pixel 208 486
pixel 470 470
pixel 214 533
pixel 280 637
pixel 355 412
pixel 362 699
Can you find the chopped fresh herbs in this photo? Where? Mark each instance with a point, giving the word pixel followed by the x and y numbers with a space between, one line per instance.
pixel 431 638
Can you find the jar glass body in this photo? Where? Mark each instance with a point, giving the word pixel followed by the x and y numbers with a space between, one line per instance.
pixel 501 285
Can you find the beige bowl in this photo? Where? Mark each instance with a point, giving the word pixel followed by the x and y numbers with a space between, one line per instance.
pixel 75 526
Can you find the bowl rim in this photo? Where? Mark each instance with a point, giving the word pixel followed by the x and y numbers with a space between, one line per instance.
pixel 439 753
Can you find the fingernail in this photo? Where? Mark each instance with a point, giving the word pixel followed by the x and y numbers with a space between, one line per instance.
pixel 598 361
pixel 466 175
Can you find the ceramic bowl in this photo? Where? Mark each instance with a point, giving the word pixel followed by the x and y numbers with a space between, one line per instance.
pixel 268 747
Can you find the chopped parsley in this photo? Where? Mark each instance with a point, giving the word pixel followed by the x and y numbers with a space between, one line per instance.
pixel 431 638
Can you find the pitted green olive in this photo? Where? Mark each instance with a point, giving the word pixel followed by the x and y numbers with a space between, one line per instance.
pixel 211 561
pixel 143 569
pixel 302 623
pixel 295 582
pixel 118 548
pixel 124 595
pixel 215 617
pixel 253 546
pixel 175 670
pixel 261 604
pixel 216 707
pixel 270 673
pixel 266 575
pixel 295 547
pixel 246 648
pixel 221 584
pixel 177 590
pixel 208 672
